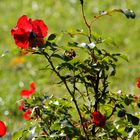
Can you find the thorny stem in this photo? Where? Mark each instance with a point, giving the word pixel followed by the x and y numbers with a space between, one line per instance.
pixel 71 93
pixel 89 27
pixel 113 110
pixel 104 13
pixel 103 91
pixel 87 92
pixel 96 87
pixel 47 133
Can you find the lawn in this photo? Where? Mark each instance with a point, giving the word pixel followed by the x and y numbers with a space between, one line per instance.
pixel 17 70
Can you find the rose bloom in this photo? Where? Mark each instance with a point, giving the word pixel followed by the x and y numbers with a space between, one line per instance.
pixel 29 33
pixel 26 93
pixel 3 129
pixel 21 107
pixel 26 115
pixel 98 119
pixel 138 83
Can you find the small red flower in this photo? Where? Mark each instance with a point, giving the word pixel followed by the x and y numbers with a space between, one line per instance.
pixel 26 115
pixel 21 107
pixel 138 83
pixel 32 85
pixel 85 125
pixel 26 93
pixel 98 119
pixel 3 129
pixel 28 33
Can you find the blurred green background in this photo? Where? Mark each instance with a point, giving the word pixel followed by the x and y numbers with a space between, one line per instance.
pixel 16 71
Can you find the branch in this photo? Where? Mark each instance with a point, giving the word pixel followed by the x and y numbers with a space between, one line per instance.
pixel 113 110
pixel 66 85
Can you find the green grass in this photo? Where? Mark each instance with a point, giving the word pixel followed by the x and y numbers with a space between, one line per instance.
pixel 62 15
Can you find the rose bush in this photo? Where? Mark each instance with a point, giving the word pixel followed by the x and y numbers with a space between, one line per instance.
pixel 89 110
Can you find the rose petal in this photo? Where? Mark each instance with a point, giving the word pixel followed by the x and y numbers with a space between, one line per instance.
pixel 98 119
pixel 21 38
pixel 25 93
pixel 3 129
pixel 40 28
pixel 138 83
pixel 26 115
pixel 32 85
pixel 21 107
pixel 25 23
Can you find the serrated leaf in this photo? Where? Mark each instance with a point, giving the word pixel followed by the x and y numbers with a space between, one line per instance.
pixel 52 37
pixel 96 37
pixel 109 41
pixel 121 113
pixel 133 119
pixel 74 44
pixel 128 129
pixel 17 135
pixel 138 105
pixel 57 56
pixel 124 57
pixel 66 65
pixel 55 126
pixel 127 101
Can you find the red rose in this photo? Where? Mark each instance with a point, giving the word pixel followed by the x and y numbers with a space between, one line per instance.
pixel 138 83
pixel 32 86
pixel 26 115
pixel 26 93
pixel 3 129
pixel 21 107
pixel 98 119
pixel 28 33
pixel 85 125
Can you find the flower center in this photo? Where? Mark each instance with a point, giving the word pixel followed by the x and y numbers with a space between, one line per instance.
pixel 32 36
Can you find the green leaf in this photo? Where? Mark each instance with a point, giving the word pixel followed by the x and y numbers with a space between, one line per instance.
pixel 124 57
pixel 55 126
pixel 66 65
pixel 128 129
pixel 57 56
pixel 109 41
pixel 138 105
pixel 97 37
pixel 121 113
pixel 127 101
pixel 52 37
pixel 17 135
pixel 73 44
pixel 48 43
pixel 113 72
pixel 133 119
